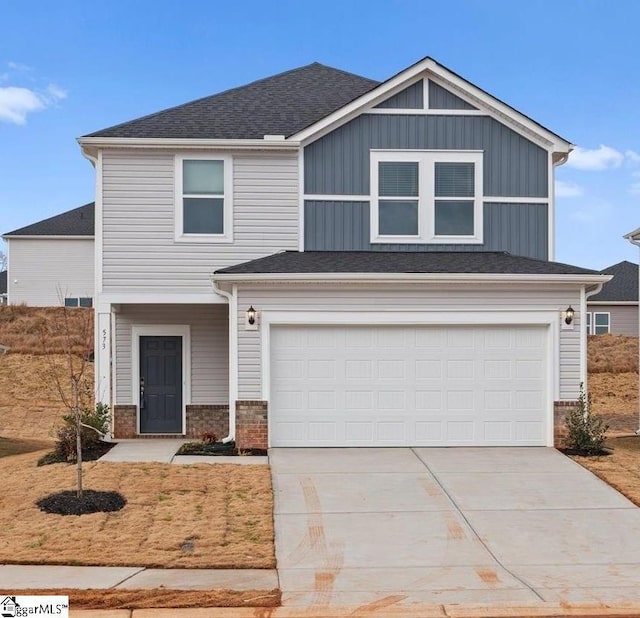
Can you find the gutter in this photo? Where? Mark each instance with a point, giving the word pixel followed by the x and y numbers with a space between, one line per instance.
pixel 409 278
pixel 232 298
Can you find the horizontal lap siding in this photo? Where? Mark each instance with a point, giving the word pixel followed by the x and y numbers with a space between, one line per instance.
pixel 209 347
pixel 44 272
pixel 139 250
pixel 520 229
pixel 623 318
pixel 415 298
pixel 338 163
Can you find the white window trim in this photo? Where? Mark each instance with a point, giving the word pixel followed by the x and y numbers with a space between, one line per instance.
pixel 426 160
pixel 180 236
pixel 161 330
pixel 593 322
pixel 588 322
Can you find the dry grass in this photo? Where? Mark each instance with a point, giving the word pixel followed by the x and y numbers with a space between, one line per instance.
pixel 22 328
pixel 149 599
pixel 200 516
pixel 612 354
pixel 30 406
pixel 18 447
pixel 621 469
pixel 615 398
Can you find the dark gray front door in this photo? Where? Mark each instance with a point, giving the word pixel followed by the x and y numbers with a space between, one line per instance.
pixel 160 384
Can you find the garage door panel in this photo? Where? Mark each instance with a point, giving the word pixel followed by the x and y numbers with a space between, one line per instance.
pixel 407 385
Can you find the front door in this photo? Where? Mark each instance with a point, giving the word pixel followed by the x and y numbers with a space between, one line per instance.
pixel 160 384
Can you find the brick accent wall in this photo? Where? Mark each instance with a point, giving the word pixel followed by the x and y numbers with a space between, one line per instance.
pixel 251 424
pixel 124 422
pixel 203 418
pixel 560 408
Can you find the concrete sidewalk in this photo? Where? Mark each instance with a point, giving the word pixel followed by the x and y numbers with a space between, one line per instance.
pixel 164 451
pixel 24 576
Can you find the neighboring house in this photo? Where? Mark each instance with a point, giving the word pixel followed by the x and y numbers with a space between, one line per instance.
pixel 319 259
pixel 615 309
pixel 3 287
pixel 51 262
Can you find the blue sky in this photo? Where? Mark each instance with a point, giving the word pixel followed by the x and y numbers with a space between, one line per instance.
pixel 69 68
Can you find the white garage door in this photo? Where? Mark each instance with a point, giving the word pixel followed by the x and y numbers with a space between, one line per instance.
pixel 408 385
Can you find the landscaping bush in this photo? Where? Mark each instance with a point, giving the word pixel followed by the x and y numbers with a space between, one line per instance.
pixel 586 432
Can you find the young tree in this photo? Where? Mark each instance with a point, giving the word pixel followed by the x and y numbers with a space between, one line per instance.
pixel 67 343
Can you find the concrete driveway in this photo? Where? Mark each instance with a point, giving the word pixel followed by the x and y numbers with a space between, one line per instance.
pixel 512 526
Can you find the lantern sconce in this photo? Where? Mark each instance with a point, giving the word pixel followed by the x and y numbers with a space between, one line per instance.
pixel 251 319
pixel 568 315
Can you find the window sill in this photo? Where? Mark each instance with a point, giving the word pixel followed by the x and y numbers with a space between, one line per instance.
pixel 204 239
pixel 420 240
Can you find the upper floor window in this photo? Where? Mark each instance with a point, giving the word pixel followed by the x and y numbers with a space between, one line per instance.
pixel 426 197
pixel 203 199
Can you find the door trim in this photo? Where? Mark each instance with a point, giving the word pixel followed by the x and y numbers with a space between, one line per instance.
pixel 161 330
pixel 412 318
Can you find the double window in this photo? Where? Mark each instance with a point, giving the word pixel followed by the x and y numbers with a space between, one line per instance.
pixel 203 199
pixel 599 323
pixel 74 301
pixel 426 197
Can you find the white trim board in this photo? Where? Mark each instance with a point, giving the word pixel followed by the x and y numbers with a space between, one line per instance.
pixel 161 330
pixel 408 318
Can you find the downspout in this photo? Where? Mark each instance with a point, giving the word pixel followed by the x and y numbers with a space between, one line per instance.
pixel 584 295
pixel 636 242
pixel 232 298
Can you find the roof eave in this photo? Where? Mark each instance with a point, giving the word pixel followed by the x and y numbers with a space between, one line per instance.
pixel 91 145
pixel 585 279
pixel 11 236
pixel 554 143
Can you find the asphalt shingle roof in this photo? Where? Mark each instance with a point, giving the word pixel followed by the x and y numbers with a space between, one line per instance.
pixel 3 282
pixel 282 104
pixel 76 222
pixel 384 262
pixel 624 285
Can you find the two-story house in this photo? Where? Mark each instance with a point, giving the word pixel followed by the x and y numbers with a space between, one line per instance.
pixel 319 259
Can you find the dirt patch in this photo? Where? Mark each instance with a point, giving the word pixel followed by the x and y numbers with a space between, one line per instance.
pixel 197 516
pixel 30 406
pixel 621 468
pixel 22 328
pixel 615 398
pixel 612 354
pixel 158 597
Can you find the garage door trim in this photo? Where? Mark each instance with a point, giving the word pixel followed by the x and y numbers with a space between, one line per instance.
pixel 411 318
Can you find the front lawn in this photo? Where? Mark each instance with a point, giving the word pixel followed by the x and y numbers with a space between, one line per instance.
pixel 197 516
pixel 620 469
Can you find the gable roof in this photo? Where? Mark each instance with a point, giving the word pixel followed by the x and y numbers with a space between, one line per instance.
pixel 76 222
pixel 623 287
pixel 304 103
pixel 3 282
pixel 278 105
pixel 389 263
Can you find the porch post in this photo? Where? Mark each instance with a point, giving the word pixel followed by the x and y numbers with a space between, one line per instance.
pixel 102 356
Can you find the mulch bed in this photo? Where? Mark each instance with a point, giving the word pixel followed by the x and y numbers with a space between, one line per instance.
pixel 90 452
pixel 68 503
pixel 218 448
pixel 571 452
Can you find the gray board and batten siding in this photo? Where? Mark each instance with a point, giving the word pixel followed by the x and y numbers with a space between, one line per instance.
pixel 440 98
pixel 338 163
pixel 520 229
pixel 409 98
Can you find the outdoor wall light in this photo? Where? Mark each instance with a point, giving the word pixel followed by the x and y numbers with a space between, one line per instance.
pixel 251 315
pixel 568 315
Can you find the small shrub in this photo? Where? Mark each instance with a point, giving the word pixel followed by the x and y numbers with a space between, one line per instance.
pixel 97 421
pixel 209 437
pixel 586 432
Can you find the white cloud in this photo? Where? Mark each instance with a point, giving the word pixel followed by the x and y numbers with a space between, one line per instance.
pixel 632 157
pixel 18 66
pixel 568 189
pixel 16 103
pixel 597 159
pixel 634 189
